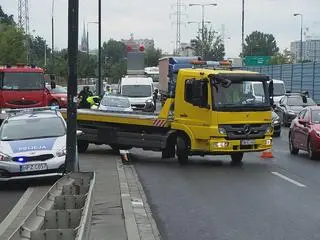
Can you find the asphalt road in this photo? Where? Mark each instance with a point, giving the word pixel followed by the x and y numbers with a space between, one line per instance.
pixel 267 199
pixel 10 193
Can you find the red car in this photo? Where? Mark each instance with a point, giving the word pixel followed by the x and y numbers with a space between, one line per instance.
pixel 304 132
pixel 57 96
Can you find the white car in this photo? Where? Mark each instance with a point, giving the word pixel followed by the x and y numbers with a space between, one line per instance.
pixel 115 103
pixel 32 145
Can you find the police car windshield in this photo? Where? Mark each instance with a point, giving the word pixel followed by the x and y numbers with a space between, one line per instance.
pixel 32 128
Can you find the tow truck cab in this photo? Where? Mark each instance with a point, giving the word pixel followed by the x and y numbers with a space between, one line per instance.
pixel 22 86
pixel 213 113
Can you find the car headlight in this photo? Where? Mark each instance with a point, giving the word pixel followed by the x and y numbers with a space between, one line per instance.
pixel 4 157
pixel 269 129
pixel 62 152
pixel 222 131
pixel 318 133
pixel 149 101
pixel 291 112
pixel 63 99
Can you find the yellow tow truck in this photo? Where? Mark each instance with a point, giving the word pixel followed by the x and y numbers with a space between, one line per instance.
pixel 210 112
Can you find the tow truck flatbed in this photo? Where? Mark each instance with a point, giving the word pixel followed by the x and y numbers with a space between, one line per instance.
pixel 134 118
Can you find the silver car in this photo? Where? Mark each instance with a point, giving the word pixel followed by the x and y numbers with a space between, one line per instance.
pixel 115 103
pixel 32 145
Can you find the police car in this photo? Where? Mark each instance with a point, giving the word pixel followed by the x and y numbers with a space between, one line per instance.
pixel 32 144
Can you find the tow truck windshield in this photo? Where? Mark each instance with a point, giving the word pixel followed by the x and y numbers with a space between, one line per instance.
pixel 13 130
pixel 22 81
pixel 237 95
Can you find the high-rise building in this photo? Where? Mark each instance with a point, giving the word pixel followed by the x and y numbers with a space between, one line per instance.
pixel 310 50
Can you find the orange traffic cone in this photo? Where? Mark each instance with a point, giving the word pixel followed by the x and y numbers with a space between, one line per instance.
pixel 267 154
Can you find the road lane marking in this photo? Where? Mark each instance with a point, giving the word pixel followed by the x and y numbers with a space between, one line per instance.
pixel 15 210
pixel 288 179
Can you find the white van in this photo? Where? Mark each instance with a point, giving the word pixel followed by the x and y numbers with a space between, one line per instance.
pixel 279 90
pixel 140 91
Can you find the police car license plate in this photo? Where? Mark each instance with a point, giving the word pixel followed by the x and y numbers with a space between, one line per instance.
pixel 248 142
pixel 33 167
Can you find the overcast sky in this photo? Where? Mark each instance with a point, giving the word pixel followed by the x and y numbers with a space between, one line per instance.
pixel 156 19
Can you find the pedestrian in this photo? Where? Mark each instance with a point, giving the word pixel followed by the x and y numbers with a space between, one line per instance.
pixel 83 95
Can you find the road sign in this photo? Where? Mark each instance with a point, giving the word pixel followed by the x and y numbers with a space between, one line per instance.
pixel 257 60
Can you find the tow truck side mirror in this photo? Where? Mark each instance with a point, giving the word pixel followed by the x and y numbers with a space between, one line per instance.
pixel 270 90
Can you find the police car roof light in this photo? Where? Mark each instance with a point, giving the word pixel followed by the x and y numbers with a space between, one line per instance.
pixel 29 110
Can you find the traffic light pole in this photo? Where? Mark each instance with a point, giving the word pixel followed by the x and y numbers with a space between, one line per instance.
pixel 73 32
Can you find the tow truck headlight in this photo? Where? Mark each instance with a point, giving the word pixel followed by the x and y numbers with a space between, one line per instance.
pixel 222 131
pixel 221 144
pixel 4 157
pixel 62 152
pixel 268 142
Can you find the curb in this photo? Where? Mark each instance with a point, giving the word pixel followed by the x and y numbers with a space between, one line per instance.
pixel 139 222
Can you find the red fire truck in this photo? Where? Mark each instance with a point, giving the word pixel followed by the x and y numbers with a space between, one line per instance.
pixel 21 86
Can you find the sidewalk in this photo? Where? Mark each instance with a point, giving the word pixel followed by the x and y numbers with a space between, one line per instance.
pixel 120 208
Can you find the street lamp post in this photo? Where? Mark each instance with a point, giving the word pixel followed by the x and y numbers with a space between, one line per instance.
pixel 199 23
pixel 242 34
pixel 88 35
pixel 100 86
pixel 202 5
pixel 52 34
pixel 301 32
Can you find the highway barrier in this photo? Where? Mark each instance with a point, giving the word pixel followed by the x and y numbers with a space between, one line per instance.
pixel 64 213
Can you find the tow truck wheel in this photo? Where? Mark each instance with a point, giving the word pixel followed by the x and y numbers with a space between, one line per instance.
pixel 236 158
pixel 82 146
pixel 182 150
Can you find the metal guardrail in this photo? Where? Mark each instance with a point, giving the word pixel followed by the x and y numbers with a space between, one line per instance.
pixel 64 213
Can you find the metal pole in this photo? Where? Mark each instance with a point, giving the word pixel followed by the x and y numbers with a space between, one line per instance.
pixel 242 33
pixel 52 35
pixel 88 39
pixel 99 55
pixel 301 35
pixel 202 31
pixel 73 32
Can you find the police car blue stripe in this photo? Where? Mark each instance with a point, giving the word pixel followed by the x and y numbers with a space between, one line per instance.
pixel 32 145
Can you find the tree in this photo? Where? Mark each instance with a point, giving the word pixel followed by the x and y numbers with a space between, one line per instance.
pixel 6 19
pixel 12 45
pixel 38 46
pixel 114 59
pixel 282 58
pixel 209 44
pixel 152 56
pixel 260 44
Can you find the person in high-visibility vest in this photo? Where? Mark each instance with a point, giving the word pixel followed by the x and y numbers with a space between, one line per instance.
pixel 93 100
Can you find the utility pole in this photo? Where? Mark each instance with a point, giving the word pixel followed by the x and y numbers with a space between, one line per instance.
pixel 242 34
pixel 100 84
pixel 73 32
pixel 203 5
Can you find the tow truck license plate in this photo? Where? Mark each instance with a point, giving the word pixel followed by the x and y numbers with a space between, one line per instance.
pixel 33 167
pixel 248 142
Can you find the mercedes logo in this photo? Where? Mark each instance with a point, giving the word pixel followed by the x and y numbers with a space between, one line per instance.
pixel 246 129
